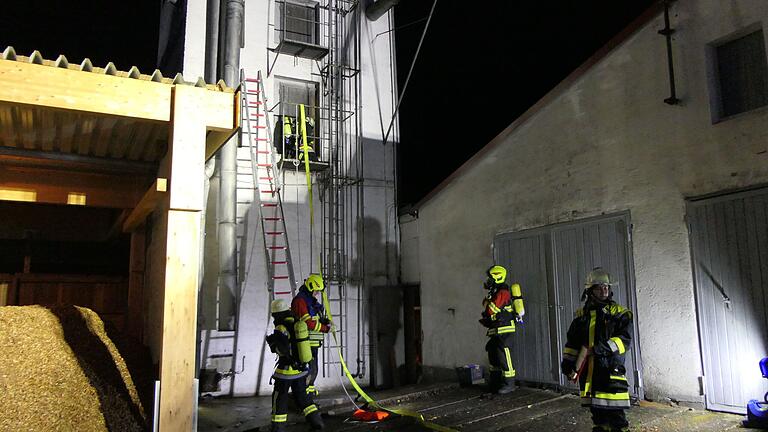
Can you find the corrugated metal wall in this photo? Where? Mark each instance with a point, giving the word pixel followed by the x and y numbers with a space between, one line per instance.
pixel 551 264
pixel 729 244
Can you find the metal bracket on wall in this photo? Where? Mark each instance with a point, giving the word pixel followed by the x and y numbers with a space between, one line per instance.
pixel 667 32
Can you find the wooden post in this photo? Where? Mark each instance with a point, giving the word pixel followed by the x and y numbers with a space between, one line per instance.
pixel 135 316
pixel 187 157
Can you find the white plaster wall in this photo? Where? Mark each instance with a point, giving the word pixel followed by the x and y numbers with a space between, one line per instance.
pixel 381 239
pixel 607 143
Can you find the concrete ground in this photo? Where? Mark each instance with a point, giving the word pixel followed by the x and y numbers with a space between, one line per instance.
pixel 464 409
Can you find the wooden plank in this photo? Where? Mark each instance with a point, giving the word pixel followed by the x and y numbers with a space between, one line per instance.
pixel 146 205
pixel 103 138
pixel 221 110
pixel 177 361
pixel 187 148
pixel 39 85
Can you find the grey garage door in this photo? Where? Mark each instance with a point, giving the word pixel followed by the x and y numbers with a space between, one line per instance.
pixel 551 264
pixel 729 245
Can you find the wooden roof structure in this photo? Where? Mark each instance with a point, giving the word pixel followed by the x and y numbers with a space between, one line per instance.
pixel 122 139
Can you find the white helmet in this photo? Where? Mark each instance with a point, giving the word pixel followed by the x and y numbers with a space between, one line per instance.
pixel 599 276
pixel 278 305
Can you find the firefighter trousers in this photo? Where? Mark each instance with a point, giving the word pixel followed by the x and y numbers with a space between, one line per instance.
pixel 609 420
pixel 312 373
pixel 499 349
pixel 298 387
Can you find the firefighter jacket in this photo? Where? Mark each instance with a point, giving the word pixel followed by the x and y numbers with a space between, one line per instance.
pixel 606 329
pixel 503 305
pixel 306 307
pixel 290 341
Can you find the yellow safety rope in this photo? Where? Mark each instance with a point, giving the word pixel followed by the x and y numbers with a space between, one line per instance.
pixel 371 403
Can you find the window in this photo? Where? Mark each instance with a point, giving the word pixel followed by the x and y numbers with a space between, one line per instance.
pixel 299 23
pixel 742 75
pixel 293 93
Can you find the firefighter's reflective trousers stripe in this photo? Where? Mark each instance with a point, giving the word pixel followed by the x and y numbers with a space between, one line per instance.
pixel 500 355
pixel 280 399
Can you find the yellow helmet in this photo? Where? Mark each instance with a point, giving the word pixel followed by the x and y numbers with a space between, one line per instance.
pixel 497 273
pixel 314 282
pixel 277 306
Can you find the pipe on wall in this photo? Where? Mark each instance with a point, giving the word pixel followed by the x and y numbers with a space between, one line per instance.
pixel 226 164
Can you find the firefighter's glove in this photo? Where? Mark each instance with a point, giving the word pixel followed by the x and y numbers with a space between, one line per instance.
pixel 568 367
pixel 301 366
pixel 325 320
pixel 486 322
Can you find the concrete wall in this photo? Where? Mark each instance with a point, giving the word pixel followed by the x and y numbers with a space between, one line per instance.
pixel 252 360
pixel 606 143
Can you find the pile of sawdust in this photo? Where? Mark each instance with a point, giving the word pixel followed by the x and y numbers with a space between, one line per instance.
pixel 60 371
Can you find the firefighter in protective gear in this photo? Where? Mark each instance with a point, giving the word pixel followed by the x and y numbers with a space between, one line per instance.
pixel 503 306
pixel 290 341
pixel 602 330
pixel 310 311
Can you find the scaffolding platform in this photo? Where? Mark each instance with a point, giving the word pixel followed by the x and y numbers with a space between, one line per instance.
pixel 290 164
pixel 300 49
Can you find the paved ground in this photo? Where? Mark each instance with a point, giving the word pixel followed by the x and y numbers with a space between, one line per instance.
pixel 467 409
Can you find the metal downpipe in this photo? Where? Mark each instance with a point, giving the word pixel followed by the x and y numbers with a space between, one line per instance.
pixel 226 163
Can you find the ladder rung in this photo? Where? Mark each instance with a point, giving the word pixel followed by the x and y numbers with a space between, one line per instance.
pixel 257 115
pixel 263 152
pixel 279 277
pixel 282 292
pixel 255 92
pixel 267 191
pixel 254 104
pixel 266 178
pixel 252 80
pixel 271 219
pixel 280 262
pixel 274 233
pixel 268 204
pixel 265 165
pixel 276 247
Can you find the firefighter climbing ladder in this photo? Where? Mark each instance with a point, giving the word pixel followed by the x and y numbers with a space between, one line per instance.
pixel 257 134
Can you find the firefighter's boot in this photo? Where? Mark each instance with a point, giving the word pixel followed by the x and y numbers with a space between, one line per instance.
pixel 316 421
pixel 277 427
pixel 508 387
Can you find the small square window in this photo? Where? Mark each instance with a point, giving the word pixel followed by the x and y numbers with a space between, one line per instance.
pixel 299 23
pixel 742 75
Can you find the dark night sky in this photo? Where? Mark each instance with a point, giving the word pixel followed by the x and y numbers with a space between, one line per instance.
pixel 483 65
pixel 123 32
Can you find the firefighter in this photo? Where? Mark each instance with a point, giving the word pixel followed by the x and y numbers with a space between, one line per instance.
pixel 600 335
pixel 310 311
pixel 290 341
pixel 503 306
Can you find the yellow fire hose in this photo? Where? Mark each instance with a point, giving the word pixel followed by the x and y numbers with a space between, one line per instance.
pixel 371 402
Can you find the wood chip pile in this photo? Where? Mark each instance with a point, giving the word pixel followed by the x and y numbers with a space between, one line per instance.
pixel 60 371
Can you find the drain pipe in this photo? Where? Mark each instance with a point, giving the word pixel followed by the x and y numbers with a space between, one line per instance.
pixel 377 9
pixel 226 164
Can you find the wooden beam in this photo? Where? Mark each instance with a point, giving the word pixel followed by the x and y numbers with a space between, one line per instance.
pixel 53 186
pixel 147 204
pixel 186 158
pixel 68 161
pixel 221 109
pixel 215 140
pixel 45 86
pixel 135 316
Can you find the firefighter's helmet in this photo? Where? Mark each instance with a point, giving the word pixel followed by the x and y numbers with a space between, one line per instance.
pixel 314 283
pixel 278 305
pixel 599 276
pixel 497 273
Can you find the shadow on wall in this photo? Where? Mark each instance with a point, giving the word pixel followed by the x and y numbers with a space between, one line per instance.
pixel 386 303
